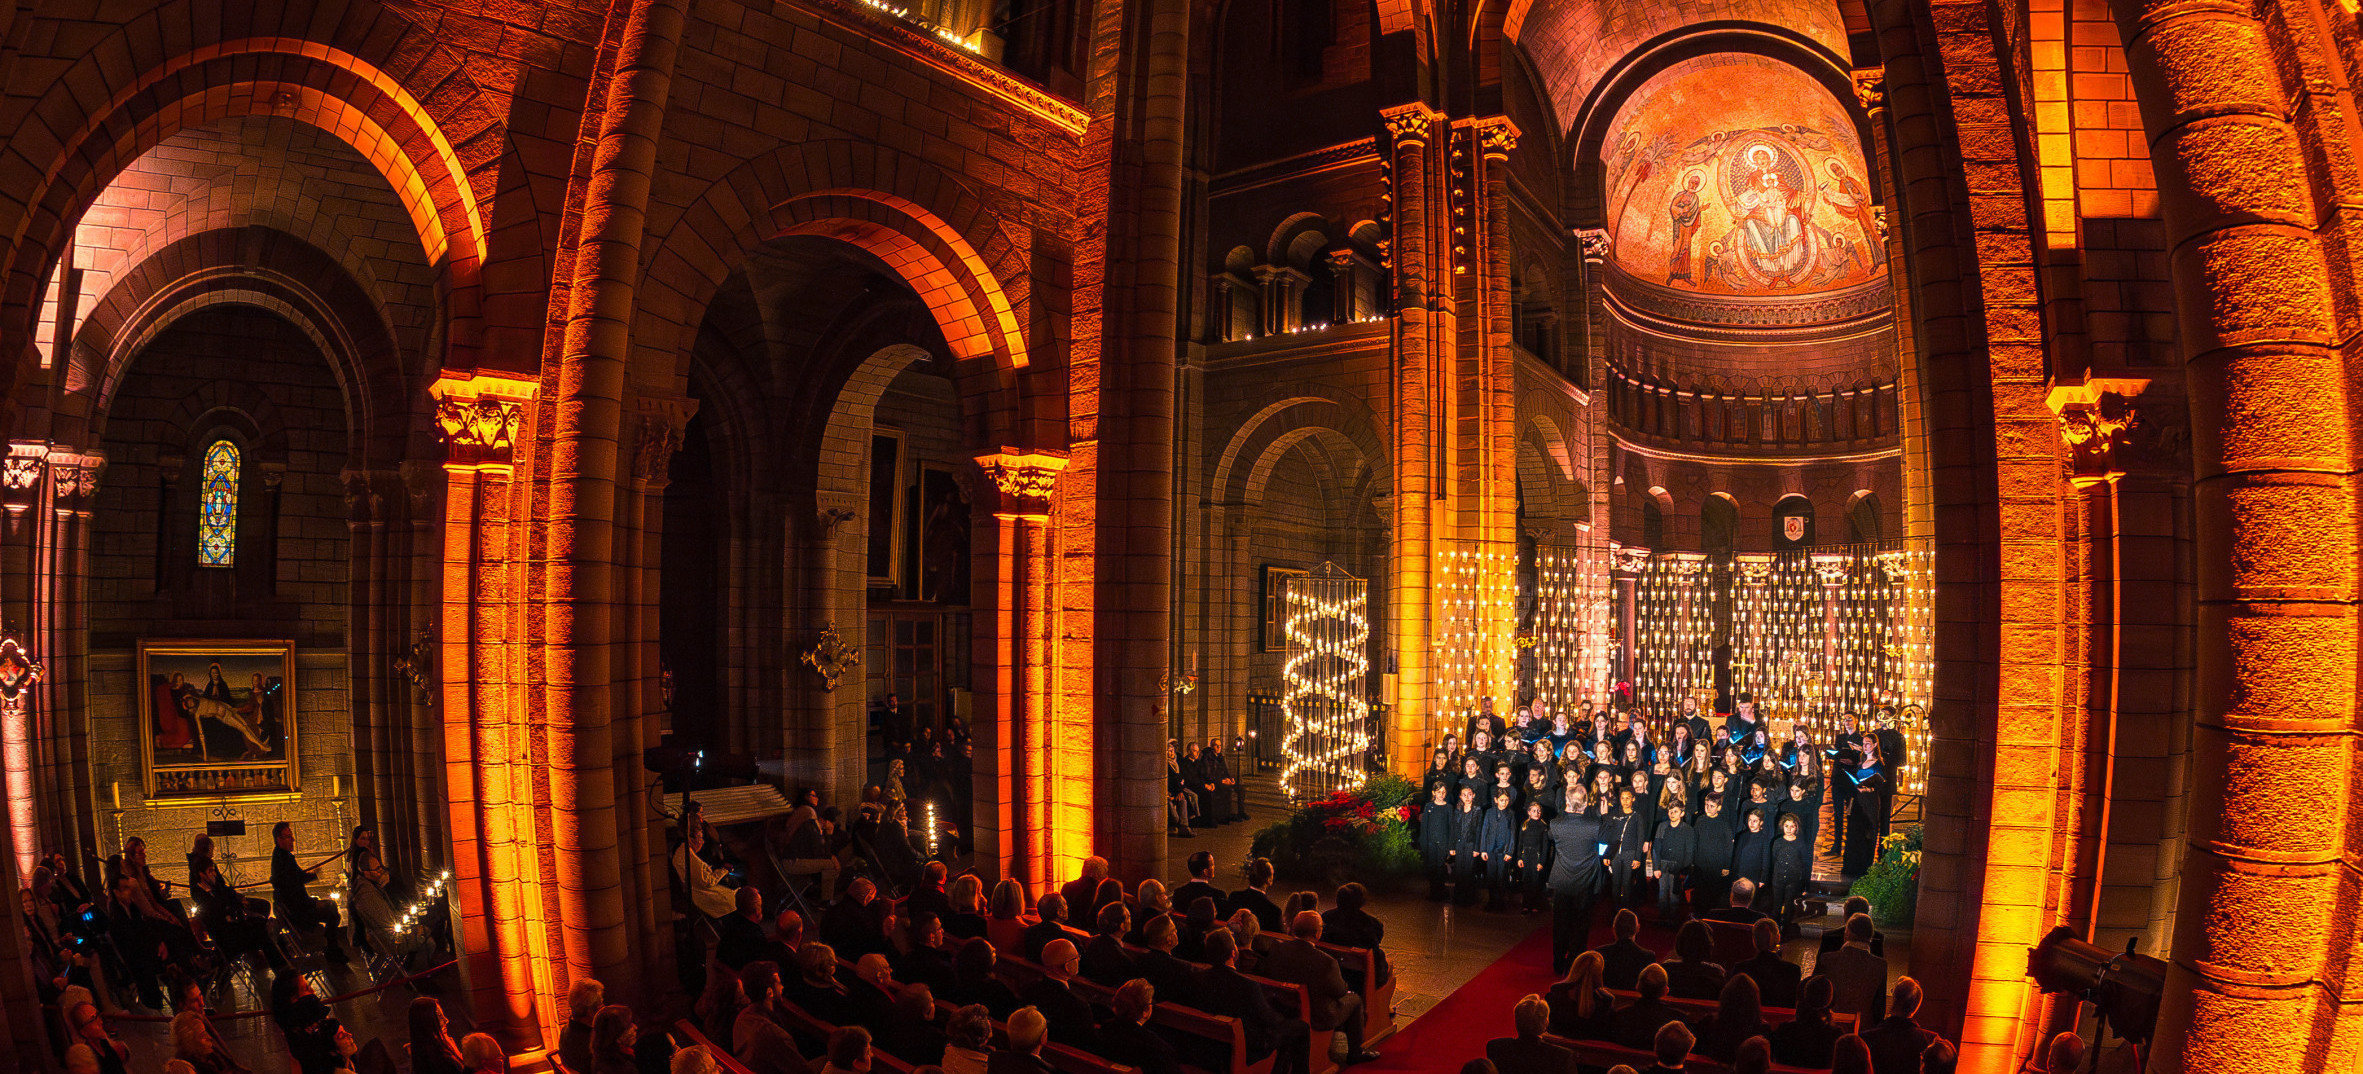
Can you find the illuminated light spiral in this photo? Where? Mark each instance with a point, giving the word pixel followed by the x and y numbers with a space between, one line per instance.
pixel 1323 682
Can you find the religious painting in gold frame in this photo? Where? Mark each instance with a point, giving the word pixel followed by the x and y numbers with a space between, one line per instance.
pixel 218 718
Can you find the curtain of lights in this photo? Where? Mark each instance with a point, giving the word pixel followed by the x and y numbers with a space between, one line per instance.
pixel 1563 607
pixel 1324 684
pixel 1475 645
pixel 1673 631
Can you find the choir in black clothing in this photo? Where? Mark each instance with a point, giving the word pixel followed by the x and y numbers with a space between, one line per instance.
pixel 1574 810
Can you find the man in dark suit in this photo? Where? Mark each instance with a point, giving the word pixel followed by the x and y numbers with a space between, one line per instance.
pixel 1157 964
pixel 1070 1017
pixel 1201 885
pixel 1053 909
pixel 740 935
pixel 1858 978
pixel 1028 1029
pixel 1576 875
pixel 1672 1044
pixel 1892 755
pixel 1776 977
pixel 928 893
pixel 1897 1041
pixel 1081 894
pixel 1220 989
pixel 1335 1008
pixel 1625 956
pixel 1832 939
pixel 1349 925
pixel 1807 1040
pixel 1637 1025
pixel 1528 1052
pixel 924 958
pixel 1742 908
pixel 1252 898
pixel 1126 1038
pixel 856 924
pixel 1104 959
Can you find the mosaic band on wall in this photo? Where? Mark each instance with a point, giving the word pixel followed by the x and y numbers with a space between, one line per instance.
pixel 218 718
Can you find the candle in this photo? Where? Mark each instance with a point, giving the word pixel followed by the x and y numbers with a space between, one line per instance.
pixel 336 786
pixel 118 791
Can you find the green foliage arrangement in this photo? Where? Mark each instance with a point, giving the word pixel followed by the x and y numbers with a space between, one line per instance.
pixel 1892 884
pixel 1367 834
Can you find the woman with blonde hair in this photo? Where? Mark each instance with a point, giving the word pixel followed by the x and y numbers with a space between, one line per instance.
pixel 966 921
pixel 694 1059
pixel 1581 1007
pixel 193 1042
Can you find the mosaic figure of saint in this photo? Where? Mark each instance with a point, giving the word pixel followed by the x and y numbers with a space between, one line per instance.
pixel 1772 233
pixel 1849 196
pixel 1684 213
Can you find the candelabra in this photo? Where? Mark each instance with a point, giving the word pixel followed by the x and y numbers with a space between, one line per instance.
pixel 1324 682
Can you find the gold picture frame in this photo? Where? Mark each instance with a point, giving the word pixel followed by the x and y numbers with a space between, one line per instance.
pixel 218 719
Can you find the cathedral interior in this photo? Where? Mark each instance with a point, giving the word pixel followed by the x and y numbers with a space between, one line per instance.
pixel 450 439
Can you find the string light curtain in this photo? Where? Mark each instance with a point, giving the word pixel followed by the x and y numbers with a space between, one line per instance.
pixel 1477 650
pixel 1325 683
pixel 1563 608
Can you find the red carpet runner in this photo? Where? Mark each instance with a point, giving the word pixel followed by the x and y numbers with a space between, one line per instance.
pixel 1455 1030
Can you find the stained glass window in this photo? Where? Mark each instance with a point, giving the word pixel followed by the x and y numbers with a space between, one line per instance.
pixel 217 507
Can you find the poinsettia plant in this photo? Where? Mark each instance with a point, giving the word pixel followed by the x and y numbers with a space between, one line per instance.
pixel 1366 833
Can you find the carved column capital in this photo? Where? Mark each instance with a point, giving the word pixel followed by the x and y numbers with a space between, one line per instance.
pixel 1629 560
pixel 661 422
pixel 480 419
pixel 1410 123
pixel 1496 136
pixel 1592 242
pixel 1870 88
pixel 2108 431
pixel 1025 480
pixel 73 478
pixel 1831 568
pixel 20 479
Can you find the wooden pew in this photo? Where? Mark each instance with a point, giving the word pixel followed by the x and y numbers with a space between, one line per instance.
pixel 1592 1056
pixel 1696 1010
pixel 1378 1000
pixel 1222 1035
pixel 729 1064
pixel 1062 1058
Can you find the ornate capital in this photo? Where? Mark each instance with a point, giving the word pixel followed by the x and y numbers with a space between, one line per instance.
pixel 1831 568
pixel 1755 569
pixel 2107 433
pixel 662 422
pixel 1496 136
pixel 73 478
pixel 1024 478
pixel 20 480
pixel 1409 123
pixel 480 419
pixel 1630 560
pixel 1593 243
pixel 1870 88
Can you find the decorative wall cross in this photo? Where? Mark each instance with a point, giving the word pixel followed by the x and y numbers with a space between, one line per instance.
pixel 832 658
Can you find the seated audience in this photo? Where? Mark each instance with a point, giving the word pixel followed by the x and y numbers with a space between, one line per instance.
pixel 921 957
pixel 930 894
pixel 1939 1058
pixel 1528 1052
pixel 230 919
pixel 1104 958
pixel 1858 978
pixel 480 1054
pixel 872 990
pixel 311 1029
pixel 1149 903
pixel 1693 973
pixel 1220 989
pixel 718 1007
pixel 968 1044
pixel 740 932
pixel 1298 961
pixel 1581 1007
pixel 694 1059
pixel 1253 898
pixel 1743 905
pixel 1028 1031
pixel 1776 977
pixel 811 847
pixel 1831 939
pixel 1081 895
pixel 1754 1057
pixel 759 1035
pixel 1054 998
pixel 815 990
pixel 194 1043
pixel 1637 1025
pixel 975 984
pixel 1349 925
pixel 1624 956
pixel 1671 1046
pixel 1806 1040
pixel 1202 917
pixel 849 1051
pixel 1200 884
pixel 1850 1056
pixel 706 891
pixel 291 892
pixel 856 924
pixel 1897 1041
pixel 583 1000
pixel 1739 1015
pixel 1126 1037
pixel 966 921
pixel 1050 925
pixel 612 1039
pixel 909 1032
pixel 1156 963
pixel 1009 900
pixel 432 1051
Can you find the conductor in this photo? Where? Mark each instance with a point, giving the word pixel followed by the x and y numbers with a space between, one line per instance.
pixel 1576 874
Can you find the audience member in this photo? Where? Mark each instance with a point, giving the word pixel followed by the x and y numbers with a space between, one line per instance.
pixel 1776 977
pixel 1334 1007
pixel 932 893
pixel 289 889
pixel 1739 1015
pixel 1754 1057
pixel 230 919
pixel 966 921
pixel 1201 882
pixel 856 924
pixel 1157 965
pixel 1624 956
pixel 1939 1058
pixel 1009 900
pixel 583 1000
pixel 717 1009
pixel 1028 1031
pixel 871 990
pixel 695 1059
pixel 1126 1038
pixel 759 1035
pixel 1671 1046
pixel 1081 895
pixel 1070 1017
pixel 612 1038
pixel 815 990
pixel 1637 1025
pixel 1528 1052
pixel 706 891
pixel 810 847
pixel 740 932
pixel 311 1029
pixel 1201 918
pixel 432 1051
pixel 849 1051
pixel 1806 1040
pixel 1581 1007
pixel 1149 903
pixel 1742 908
pixel 975 984
pixel 194 1043
pixel 1220 989
pixel 968 1047
pixel 1831 939
pixel 1693 973
pixel 1850 1056
pixel 1051 925
pixel 1104 958
pixel 1858 978
pixel 480 1054
pixel 909 1032
pixel 922 957
pixel 2062 1056
pixel 1897 1041
pixel 1252 897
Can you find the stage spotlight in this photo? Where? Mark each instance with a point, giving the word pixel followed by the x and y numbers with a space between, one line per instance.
pixel 2124 987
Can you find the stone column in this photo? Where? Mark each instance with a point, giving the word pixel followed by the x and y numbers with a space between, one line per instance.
pixel 1422 317
pixel 61 638
pixel 1496 402
pixel 656 426
pixel 1028 760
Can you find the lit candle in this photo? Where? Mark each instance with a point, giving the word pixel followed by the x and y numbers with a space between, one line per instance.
pixel 336 786
pixel 118 792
